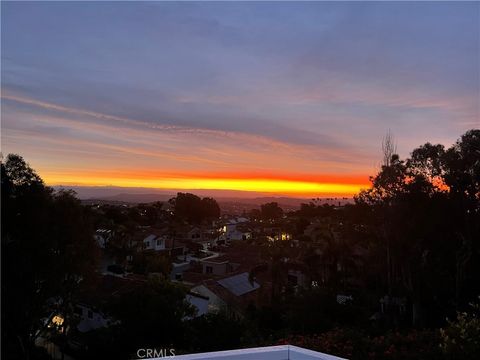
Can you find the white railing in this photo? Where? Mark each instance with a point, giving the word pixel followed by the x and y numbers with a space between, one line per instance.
pixel 281 352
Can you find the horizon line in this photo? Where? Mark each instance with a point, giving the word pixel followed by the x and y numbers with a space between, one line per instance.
pixel 219 193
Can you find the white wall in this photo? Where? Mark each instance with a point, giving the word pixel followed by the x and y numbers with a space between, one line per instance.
pixel 96 321
pixel 281 352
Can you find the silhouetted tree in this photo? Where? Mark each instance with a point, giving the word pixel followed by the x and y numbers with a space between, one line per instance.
pixel 47 248
pixel 426 210
pixel 210 208
pixel 193 209
pixel 152 316
pixel 271 211
pixel 255 214
pixel 216 331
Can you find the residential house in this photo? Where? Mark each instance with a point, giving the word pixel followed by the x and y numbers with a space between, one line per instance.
pixel 90 301
pixel 154 242
pixel 91 318
pixel 205 300
pixel 218 266
pixel 232 294
pixel 103 237
pixel 275 233
pixel 235 229
pixel 178 268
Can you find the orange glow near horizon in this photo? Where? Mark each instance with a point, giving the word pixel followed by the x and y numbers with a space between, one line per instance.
pixel 290 186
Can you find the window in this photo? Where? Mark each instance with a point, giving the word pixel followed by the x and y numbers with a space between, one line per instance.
pixel 209 270
pixel 178 276
pixel 147 244
pixel 90 314
pixel 159 242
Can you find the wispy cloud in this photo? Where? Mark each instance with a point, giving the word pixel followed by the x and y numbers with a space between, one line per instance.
pixel 303 89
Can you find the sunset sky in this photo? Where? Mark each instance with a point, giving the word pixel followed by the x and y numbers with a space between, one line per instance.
pixel 275 97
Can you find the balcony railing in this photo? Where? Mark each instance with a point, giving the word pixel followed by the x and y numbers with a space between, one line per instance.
pixel 281 352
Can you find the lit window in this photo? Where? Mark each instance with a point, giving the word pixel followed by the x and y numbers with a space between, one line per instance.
pixel 57 320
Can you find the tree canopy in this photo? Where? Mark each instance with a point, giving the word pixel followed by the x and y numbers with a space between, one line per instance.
pixel 47 247
pixel 271 211
pixel 193 209
pixel 426 212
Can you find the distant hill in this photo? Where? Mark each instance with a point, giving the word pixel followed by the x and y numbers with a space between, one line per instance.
pixel 115 193
pixel 233 202
pixel 135 198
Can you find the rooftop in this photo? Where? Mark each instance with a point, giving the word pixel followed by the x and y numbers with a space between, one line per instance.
pixel 281 352
pixel 239 284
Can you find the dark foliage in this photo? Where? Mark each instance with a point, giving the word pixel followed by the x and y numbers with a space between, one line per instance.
pixel 193 209
pixel 271 211
pixel 47 247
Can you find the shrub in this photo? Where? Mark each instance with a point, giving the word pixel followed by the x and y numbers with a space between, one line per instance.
pixel 461 338
pixel 354 344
